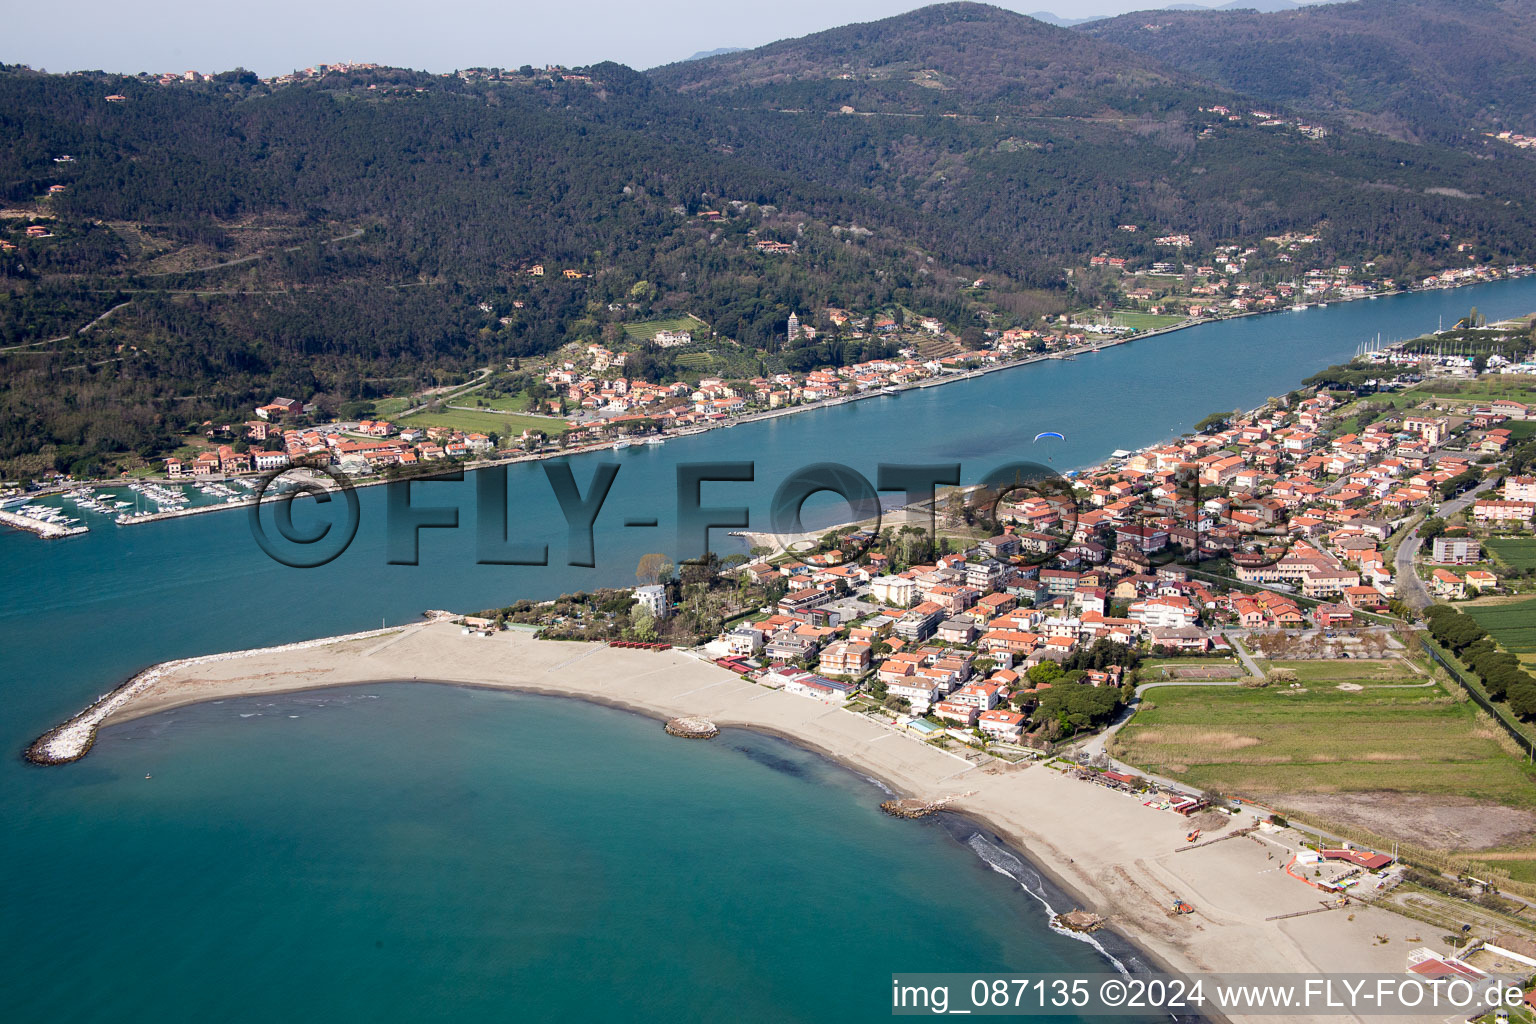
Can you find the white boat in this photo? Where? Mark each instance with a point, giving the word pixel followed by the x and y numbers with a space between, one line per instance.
pixel 889 391
pixel 653 441
pixel 622 444
pixel 1299 307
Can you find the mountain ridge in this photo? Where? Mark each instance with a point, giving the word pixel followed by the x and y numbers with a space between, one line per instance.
pixel 373 231
pixel 1416 69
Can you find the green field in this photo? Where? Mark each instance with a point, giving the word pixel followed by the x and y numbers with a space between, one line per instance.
pixel 1273 741
pixel 1515 552
pixel 502 424
pixel 1521 430
pixel 389 408
pixel 519 402
pixel 645 330
pixel 695 361
pixel 1145 321
pixel 1348 670
pixel 1513 623
pixel 1516 386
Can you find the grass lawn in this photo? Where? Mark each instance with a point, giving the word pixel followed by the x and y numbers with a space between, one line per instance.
pixel 519 402
pixel 1512 624
pixel 503 424
pixel 1275 741
pixel 1516 552
pixel 645 330
pixel 1358 670
pixel 1397 399
pixel 1520 430
pixel 1145 321
pixel 1516 386
pixel 389 408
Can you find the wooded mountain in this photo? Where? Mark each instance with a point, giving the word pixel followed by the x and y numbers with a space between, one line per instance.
pixel 1424 69
pixel 363 233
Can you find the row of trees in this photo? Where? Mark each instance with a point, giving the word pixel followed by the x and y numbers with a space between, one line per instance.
pixel 1500 671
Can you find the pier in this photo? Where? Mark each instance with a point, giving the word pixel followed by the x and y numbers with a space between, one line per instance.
pixel 42 527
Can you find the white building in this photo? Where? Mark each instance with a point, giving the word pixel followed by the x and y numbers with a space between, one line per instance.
pixel 744 641
pixel 672 339
pixel 1165 612
pixel 896 590
pixel 921 693
pixel 270 460
pixel 654 600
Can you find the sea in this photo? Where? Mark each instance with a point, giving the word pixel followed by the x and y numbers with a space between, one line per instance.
pixel 408 852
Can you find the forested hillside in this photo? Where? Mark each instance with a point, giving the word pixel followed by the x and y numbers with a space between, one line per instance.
pixel 369 233
pixel 1424 69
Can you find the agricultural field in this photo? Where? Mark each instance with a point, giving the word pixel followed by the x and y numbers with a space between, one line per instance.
pixel 1515 552
pixel 645 330
pixel 1279 741
pixel 1521 430
pixel 501 424
pixel 1512 623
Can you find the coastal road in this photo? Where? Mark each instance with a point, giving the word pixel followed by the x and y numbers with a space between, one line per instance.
pixel 1411 589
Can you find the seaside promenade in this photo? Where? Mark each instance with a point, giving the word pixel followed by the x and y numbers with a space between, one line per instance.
pixel 1113 854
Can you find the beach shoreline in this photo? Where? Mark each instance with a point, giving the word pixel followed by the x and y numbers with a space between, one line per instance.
pixel 1103 849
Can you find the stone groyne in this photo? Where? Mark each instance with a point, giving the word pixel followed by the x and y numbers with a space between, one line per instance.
pixel 692 728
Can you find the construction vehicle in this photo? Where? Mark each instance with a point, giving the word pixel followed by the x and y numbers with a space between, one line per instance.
pixel 1181 907
pixel 1194 834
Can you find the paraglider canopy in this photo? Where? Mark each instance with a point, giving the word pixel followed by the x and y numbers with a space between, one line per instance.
pixel 1049 433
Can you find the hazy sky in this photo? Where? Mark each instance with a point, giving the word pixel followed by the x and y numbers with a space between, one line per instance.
pixel 276 36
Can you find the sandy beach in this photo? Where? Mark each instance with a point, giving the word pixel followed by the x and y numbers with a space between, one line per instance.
pixel 1111 853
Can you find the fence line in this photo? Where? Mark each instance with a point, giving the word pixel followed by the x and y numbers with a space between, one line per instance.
pixel 1474 691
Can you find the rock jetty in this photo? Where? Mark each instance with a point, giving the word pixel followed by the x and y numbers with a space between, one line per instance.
pixel 911 807
pixel 1079 921
pixel 692 727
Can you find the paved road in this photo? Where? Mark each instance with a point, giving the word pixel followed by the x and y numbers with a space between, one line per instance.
pixel 1243 655
pixel 1410 589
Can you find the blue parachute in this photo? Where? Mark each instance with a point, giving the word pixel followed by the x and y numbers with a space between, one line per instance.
pixel 1050 433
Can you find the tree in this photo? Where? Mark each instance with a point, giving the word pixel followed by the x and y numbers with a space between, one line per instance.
pixel 642 623
pixel 1044 672
pixel 653 568
pixel 696 571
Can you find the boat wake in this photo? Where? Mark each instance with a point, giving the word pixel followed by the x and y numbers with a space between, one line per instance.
pixel 1005 862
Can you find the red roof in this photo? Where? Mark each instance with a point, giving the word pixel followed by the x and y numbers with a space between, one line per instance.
pixel 1369 861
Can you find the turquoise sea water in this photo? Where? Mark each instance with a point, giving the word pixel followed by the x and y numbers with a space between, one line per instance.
pixel 432 852
pixel 415 852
